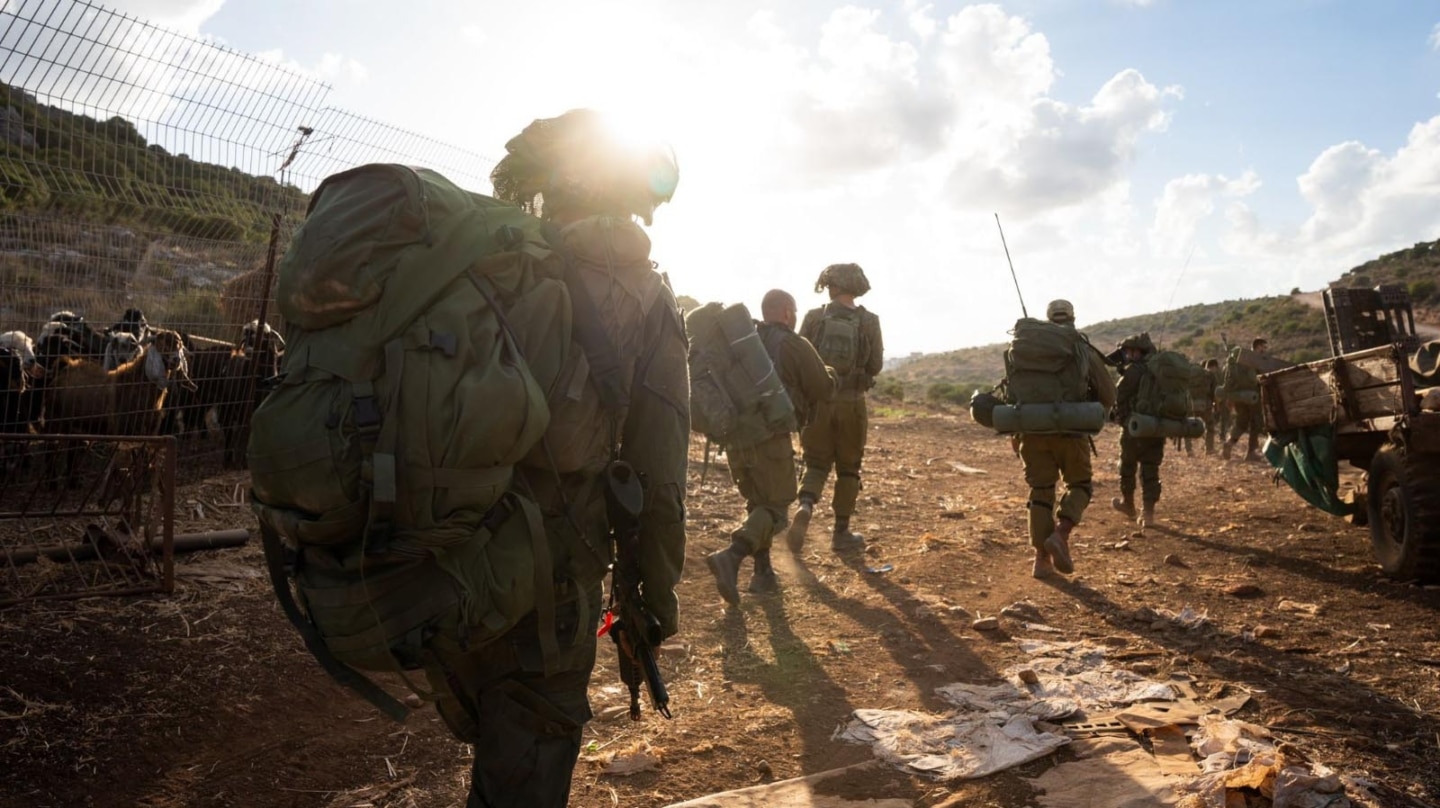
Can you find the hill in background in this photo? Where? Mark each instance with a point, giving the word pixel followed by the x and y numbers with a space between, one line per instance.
pixel 1295 329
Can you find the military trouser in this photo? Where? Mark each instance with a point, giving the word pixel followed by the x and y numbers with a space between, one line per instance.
pixel 524 726
pixel 836 438
pixel 1147 454
pixel 1248 418
pixel 1048 459
pixel 765 475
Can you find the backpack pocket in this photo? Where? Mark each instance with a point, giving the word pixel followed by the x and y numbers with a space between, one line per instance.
pixel 496 569
pixel 302 461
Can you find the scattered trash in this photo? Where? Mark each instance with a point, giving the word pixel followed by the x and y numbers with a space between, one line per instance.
pixel 961 746
pixel 1187 618
pixel 1021 610
pixel 1307 609
pixel 641 757
pixel 1041 627
pixel 1121 545
pixel 964 469
pixel 880 569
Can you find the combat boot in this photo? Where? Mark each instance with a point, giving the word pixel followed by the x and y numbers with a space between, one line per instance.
pixel 795 536
pixel 1147 516
pixel 1225 450
pixel 764 581
pixel 1043 566
pixel 1058 546
pixel 1125 506
pixel 1252 455
pixel 725 566
pixel 843 540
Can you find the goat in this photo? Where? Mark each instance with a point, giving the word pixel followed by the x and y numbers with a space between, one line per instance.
pixel 15 395
pixel 71 326
pixel 121 348
pixel 84 398
pixel 20 345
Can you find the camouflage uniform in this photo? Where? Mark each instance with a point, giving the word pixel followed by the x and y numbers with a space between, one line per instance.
pixel 765 473
pixel 1248 419
pixel 836 436
pixel 1145 453
pixel 525 721
pixel 1204 408
pixel 1049 458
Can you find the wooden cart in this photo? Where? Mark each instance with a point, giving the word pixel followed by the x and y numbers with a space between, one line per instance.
pixel 1370 397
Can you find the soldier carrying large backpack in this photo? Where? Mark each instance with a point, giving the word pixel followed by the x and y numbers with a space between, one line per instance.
pixel 1242 391
pixel 1054 374
pixel 1152 402
pixel 482 409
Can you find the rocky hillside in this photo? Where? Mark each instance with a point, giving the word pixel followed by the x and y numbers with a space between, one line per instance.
pixel 57 162
pixel 1294 325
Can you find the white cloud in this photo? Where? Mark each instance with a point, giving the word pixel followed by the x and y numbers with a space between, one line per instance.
pixel 967 98
pixel 185 16
pixel 1434 39
pixel 1188 200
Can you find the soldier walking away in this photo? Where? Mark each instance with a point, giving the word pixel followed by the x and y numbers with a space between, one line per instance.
pixel 847 336
pixel 1051 457
pixel 497 460
pixel 1216 404
pixel 1144 454
pixel 1242 387
pixel 765 472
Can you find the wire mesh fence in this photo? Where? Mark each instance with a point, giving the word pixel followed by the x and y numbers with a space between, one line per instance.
pixel 148 183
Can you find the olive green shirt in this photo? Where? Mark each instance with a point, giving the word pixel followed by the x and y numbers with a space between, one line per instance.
pixel 808 381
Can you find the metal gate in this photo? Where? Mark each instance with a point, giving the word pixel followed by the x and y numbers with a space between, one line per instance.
pixel 85 515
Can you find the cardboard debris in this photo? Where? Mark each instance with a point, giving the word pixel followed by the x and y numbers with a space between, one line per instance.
pixel 960 746
pixel 1111 773
pixel 799 792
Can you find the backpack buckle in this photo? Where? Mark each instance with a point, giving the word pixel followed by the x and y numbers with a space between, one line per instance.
pixel 367 414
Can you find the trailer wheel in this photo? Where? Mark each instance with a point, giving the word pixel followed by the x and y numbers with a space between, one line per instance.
pixel 1404 513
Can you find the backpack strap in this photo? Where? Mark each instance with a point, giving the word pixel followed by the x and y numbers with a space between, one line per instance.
pixel 279 561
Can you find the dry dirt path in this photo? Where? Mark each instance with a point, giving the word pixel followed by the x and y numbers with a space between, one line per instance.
pixel 207 699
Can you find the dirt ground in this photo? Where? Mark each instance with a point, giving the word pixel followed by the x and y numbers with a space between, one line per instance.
pixel 206 697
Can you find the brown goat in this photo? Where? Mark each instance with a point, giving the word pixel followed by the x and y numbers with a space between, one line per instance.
pixel 84 398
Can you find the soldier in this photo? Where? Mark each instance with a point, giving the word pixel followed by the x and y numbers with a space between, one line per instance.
pixel 1049 458
pixel 1210 410
pixel 1202 406
pixel 847 337
pixel 524 721
pixel 1242 386
pixel 1145 453
pixel 765 472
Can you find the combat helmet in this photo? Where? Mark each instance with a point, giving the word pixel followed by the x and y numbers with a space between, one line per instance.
pixel 843 279
pixel 576 160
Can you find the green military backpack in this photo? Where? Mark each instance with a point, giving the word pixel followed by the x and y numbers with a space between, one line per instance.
pixel 1202 390
pixel 1164 386
pixel 1240 383
pixel 427 328
pixel 1046 363
pixel 736 397
pixel 838 341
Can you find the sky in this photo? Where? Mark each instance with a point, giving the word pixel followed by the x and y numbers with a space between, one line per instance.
pixel 1140 154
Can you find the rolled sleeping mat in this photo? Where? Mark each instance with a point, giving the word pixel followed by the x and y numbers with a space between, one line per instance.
pixel 1148 426
pixel 1061 416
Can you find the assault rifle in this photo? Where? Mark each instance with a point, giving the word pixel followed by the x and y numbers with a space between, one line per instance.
pixel 634 629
